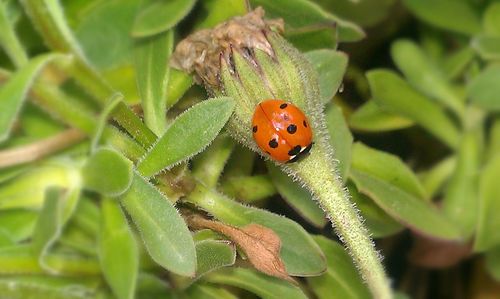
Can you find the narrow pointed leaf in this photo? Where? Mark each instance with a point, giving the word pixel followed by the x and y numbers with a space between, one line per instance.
pixel 189 134
pixel 119 268
pixel 264 286
pixel 13 93
pixel 371 117
pixel 151 55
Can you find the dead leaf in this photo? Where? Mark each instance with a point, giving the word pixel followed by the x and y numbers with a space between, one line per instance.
pixel 261 244
pixel 438 254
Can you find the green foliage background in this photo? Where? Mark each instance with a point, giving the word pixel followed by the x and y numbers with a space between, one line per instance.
pixel 415 127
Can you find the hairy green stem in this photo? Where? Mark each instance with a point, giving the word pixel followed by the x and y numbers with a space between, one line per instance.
pixel 316 173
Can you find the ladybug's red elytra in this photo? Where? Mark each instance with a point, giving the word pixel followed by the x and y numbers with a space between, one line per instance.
pixel 281 130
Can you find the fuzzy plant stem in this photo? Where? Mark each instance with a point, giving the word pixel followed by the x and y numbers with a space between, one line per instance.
pixel 315 172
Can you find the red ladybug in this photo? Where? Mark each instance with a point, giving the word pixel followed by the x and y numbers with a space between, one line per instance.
pixel 281 130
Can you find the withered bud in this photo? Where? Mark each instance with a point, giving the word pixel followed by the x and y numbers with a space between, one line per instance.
pixel 201 51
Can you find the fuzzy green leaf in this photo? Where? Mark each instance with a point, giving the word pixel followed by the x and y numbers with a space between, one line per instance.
pixel 188 135
pixel 488 47
pixel 377 221
pixel 163 230
pixel 151 55
pixel 484 89
pixel 18 224
pixel 207 291
pixel 107 172
pixel 340 139
pixel 13 93
pixel 219 11
pixel 330 66
pixel 372 118
pixel 404 207
pixel 395 95
pixel 266 287
pixel 178 83
pixel 491 19
pixel 159 16
pixel 423 75
pixel 453 15
pixel 386 167
pixel 435 178
pixel 297 197
pixel 95 32
pixel 213 254
pixel 487 235
pixel 341 279
pixel 119 268
pixel 460 201
pixel 58 207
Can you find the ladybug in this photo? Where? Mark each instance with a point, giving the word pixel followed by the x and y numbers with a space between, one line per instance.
pixel 281 130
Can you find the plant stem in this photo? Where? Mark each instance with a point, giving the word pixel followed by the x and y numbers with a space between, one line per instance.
pixel 316 172
pixel 40 149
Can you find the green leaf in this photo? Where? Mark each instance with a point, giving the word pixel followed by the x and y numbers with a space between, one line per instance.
pixel 218 11
pixel 299 252
pixel 341 280
pixel 488 223
pixel 96 33
pixel 483 90
pixel 9 41
pixel 340 139
pixel 423 75
pixel 435 178
pixel 460 201
pixel 371 117
pixel 206 291
pixel 178 83
pixel 455 64
pixel 297 197
pixel 163 230
pixel 404 207
pixel 159 16
pixel 330 66
pixel 379 224
pixel 151 57
pixel 188 135
pixel 386 167
pixel 302 14
pixel 488 47
pixel 491 19
pixel 214 254
pixel 453 15
pixel 107 172
pixel 18 224
pixel 363 13
pixel 266 287
pixel 13 93
pixel 58 207
pixel 32 287
pixel 395 95
pixel 118 252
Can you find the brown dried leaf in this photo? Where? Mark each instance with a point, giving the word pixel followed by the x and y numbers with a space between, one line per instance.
pixel 261 244
pixel 438 254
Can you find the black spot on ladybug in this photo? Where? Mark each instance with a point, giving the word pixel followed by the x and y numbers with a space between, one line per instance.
pixel 283 106
pixel 307 149
pixel 304 123
pixel 294 151
pixel 303 152
pixel 291 129
pixel 254 129
pixel 273 143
